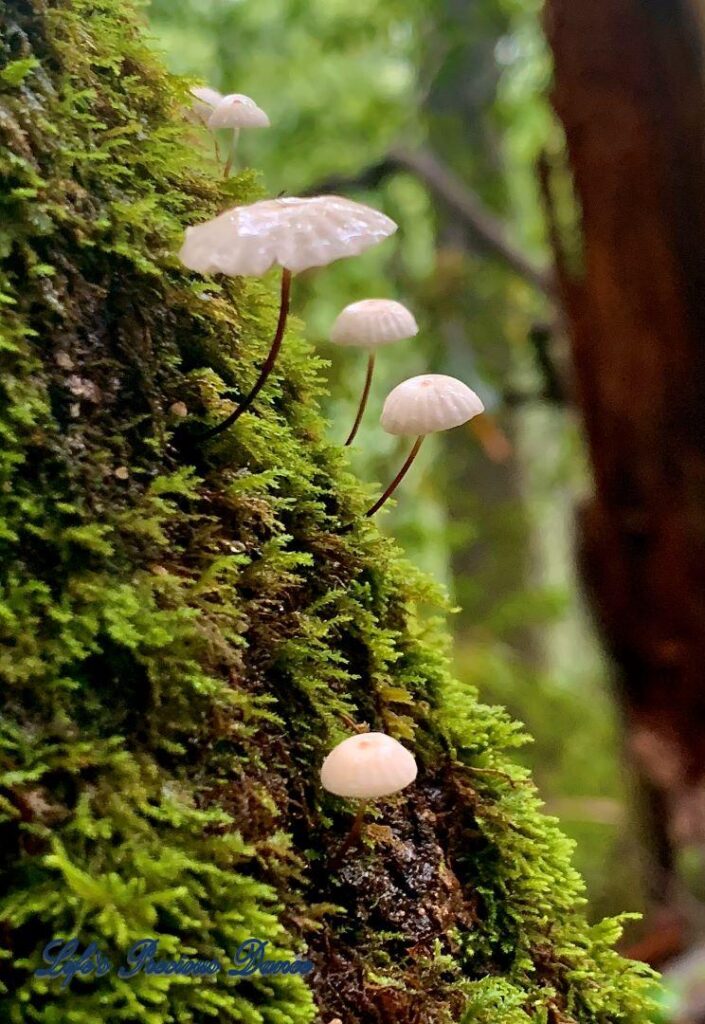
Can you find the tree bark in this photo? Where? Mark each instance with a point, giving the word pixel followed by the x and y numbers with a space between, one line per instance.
pixel 629 91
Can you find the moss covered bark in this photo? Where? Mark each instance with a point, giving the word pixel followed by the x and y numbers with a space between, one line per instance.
pixel 185 633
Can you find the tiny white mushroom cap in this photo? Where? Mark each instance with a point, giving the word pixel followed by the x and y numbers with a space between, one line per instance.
pixel 205 100
pixel 372 323
pixel 237 111
pixel 431 402
pixel 368 766
pixel 291 232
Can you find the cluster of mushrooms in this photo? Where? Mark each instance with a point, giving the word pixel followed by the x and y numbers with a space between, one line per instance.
pixel 297 234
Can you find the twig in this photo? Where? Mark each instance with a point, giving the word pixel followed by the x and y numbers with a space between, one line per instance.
pixel 486 231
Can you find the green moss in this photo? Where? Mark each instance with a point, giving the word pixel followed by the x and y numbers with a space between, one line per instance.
pixel 182 644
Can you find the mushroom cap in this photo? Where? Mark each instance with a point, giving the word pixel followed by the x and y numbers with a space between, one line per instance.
pixel 373 322
pixel 237 111
pixel 367 766
pixel 431 402
pixel 205 100
pixel 294 233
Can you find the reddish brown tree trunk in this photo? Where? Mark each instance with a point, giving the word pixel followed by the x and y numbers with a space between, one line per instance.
pixel 629 92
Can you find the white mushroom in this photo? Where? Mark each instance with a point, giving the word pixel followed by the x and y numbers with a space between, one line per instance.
pixel 367 766
pixel 370 324
pixel 424 405
pixel 292 233
pixel 429 403
pixel 205 100
pixel 236 111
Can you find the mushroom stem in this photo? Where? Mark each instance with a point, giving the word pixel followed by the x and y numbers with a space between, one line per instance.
pixel 363 399
pixel 231 155
pixel 266 366
pixel 352 837
pixel 398 478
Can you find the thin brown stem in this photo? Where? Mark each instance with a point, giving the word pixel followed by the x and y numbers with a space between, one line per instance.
pixel 267 365
pixel 352 837
pixel 398 478
pixel 363 399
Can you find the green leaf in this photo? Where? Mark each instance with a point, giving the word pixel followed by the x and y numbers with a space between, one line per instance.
pixel 18 70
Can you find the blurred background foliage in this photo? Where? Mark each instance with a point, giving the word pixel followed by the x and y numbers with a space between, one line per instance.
pixel 346 85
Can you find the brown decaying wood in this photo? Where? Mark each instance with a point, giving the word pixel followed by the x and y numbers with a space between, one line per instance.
pixel 629 91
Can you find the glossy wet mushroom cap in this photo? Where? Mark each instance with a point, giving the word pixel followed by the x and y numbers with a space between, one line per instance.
pixel 292 232
pixel 428 403
pixel 372 323
pixel 367 766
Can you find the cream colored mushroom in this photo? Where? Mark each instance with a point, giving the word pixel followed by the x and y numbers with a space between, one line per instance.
pixel 293 233
pixel 370 324
pixel 367 766
pixel 429 403
pixel 236 111
pixel 205 100
pixel 425 405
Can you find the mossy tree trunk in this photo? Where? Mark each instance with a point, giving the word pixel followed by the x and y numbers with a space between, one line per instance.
pixel 187 630
pixel 629 90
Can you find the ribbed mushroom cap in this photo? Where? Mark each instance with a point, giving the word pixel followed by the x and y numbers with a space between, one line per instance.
pixel 294 233
pixel 372 323
pixel 431 402
pixel 237 111
pixel 368 766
